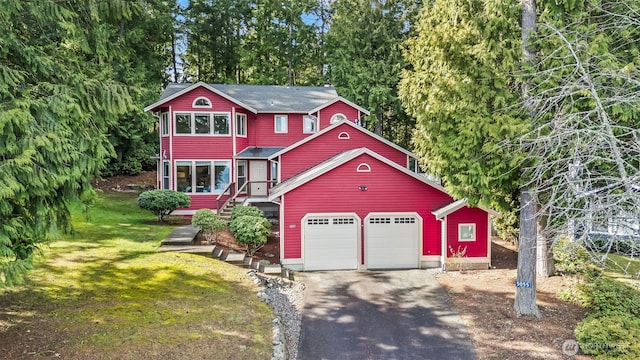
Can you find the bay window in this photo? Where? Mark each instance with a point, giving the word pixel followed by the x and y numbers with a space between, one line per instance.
pixel 202 123
pixel 202 176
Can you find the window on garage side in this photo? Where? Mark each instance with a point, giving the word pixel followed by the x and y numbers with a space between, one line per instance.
pixel 323 221
pixel 466 232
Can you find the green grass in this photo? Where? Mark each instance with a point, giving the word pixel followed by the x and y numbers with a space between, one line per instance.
pixel 104 290
pixel 624 265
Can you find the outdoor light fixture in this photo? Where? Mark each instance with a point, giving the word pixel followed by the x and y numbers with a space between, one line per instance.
pixel 362 187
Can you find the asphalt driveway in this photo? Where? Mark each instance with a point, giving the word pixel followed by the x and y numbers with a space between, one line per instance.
pixel 380 315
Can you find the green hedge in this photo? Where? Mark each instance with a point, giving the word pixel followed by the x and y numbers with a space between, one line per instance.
pixel 246 211
pixel 250 230
pixel 163 202
pixel 612 328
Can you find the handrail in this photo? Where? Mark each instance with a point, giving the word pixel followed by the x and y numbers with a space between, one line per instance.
pixel 234 195
pixel 229 188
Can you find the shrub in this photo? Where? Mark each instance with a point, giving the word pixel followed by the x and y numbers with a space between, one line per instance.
pixel 208 223
pixel 614 336
pixel 612 329
pixel 251 231
pixel 246 211
pixel 570 257
pixel 163 202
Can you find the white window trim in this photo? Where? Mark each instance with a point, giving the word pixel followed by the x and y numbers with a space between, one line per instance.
pixel 286 124
pixel 363 167
pixel 246 178
pixel 344 136
pixel 334 116
pixel 245 125
pixel 212 163
pixel 166 164
pixel 304 124
pixel 193 105
pixel 164 124
pixel 473 227
pixel 193 122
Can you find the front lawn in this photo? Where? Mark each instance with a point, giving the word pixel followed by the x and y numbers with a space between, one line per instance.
pixel 103 293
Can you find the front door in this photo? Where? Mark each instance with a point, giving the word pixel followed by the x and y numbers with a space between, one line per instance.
pixel 258 173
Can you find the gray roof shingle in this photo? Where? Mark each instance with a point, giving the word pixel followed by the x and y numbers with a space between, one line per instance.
pixel 268 98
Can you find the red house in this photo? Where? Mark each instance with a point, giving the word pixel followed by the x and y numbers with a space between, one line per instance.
pixel 344 197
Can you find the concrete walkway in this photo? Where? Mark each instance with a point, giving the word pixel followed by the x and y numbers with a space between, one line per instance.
pixel 181 240
pixel 380 315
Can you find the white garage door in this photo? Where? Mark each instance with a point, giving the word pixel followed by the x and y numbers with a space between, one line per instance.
pixel 330 243
pixel 392 241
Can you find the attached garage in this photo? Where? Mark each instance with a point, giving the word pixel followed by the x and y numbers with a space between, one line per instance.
pixel 392 241
pixel 330 241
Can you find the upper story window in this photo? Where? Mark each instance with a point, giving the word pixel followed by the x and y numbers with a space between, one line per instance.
pixel 310 124
pixel 281 124
pixel 202 123
pixel 201 102
pixel 164 123
pixel 241 125
pixel 337 118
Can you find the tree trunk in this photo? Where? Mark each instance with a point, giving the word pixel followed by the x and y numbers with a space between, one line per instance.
pixel 525 300
pixel 544 255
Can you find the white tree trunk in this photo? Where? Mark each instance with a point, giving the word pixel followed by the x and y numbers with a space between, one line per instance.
pixel 544 256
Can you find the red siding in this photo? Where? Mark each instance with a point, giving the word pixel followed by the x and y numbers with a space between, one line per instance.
pixel 204 201
pixel 185 102
pixel 467 215
pixel 338 107
pixel 165 149
pixel 388 190
pixel 266 136
pixel 202 147
pixel 327 145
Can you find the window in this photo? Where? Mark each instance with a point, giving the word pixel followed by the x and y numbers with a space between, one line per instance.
pixel 310 124
pixel 280 125
pixel 203 176
pixel 317 221
pixel 337 118
pixel 466 232
pixel 242 174
pixel 201 102
pixel 202 124
pixel 344 136
pixel 222 174
pixel 363 168
pixel 274 173
pixel 241 124
pixel 165 175
pixel 197 176
pixel 221 124
pixel 164 124
pixel 184 178
pixel 183 123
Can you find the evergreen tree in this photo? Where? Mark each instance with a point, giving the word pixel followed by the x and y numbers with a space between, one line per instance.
pixel 364 55
pixel 58 98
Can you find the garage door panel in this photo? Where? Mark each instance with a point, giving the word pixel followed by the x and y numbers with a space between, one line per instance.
pixel 392 242
pixel 331 243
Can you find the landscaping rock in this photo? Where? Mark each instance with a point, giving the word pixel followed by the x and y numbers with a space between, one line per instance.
pixel 285 298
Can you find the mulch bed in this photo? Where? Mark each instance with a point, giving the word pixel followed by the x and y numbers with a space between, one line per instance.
pixel 269 252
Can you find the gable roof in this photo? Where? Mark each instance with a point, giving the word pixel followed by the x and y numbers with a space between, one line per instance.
pixel 260 98
pixel 335 125
pixel 335 162
pixel 339 98
pixel 457 205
